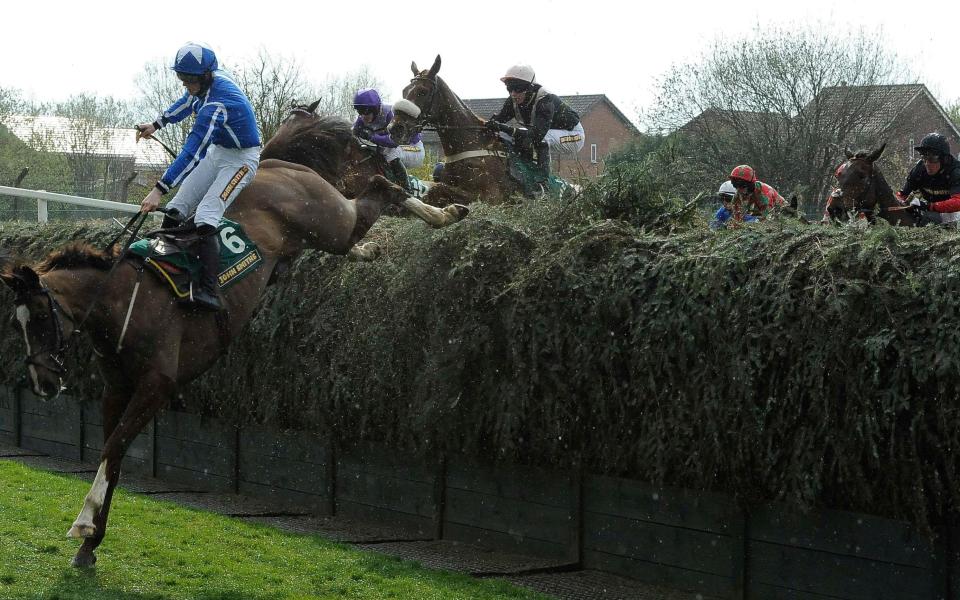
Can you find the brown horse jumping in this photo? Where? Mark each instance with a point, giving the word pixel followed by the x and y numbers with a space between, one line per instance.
pixel 863 191
pixel 286 209
pixel 304 132
pixel 476 158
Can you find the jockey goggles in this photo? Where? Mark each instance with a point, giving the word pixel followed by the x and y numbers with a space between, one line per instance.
pixel 930 157
pixel 189 78
pixel 517 86
pixel 366 110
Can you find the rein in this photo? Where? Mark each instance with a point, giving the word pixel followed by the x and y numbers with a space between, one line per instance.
pixel 56 309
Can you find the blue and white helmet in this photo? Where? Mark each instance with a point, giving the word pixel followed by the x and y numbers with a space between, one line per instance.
pixel 195 59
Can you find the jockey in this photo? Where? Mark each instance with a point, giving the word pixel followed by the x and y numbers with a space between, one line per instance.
pixel 759 197
pixel 551 124
pixel 936 177
pixel 728 209
pixel 219 158
pixel 371 124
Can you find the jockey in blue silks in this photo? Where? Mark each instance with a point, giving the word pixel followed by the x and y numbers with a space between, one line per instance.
pixel 219 158
pixel 726 212
pixel 371 124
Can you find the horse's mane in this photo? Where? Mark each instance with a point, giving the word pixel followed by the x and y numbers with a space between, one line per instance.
pixel 320 144
pixel 76 255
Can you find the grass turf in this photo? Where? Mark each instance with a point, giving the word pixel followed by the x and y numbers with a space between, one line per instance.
pixel 159 550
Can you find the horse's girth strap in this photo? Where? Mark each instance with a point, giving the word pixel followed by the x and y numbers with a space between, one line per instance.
pixel 474 154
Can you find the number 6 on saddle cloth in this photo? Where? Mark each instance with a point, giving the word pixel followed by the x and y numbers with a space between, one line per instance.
pixel 173 257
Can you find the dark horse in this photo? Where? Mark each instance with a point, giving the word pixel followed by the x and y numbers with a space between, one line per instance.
pixel 286 209
pixel 864 192
pixel 476 158
pixel 349 171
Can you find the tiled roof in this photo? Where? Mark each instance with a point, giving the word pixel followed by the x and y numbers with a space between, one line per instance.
pixel 582 103
pixel 881 103
pixel 58 134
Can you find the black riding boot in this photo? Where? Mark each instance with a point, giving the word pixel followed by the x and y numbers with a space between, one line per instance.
pixel 543 162
pixel 172 219
pixel 400 174
pixel 207 294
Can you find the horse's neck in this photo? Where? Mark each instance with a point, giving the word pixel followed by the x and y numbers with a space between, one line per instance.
pixel 882 190
pixel 458 127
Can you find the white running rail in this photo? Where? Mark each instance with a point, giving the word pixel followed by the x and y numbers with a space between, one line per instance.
pixel 43 197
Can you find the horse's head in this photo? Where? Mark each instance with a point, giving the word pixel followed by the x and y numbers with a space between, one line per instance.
pixel 45 328
pixel 419 103
pixel 322 143
pixel 855 191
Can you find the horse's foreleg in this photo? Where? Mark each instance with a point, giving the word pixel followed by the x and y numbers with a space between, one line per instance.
pixel 123 425
pixel 436 217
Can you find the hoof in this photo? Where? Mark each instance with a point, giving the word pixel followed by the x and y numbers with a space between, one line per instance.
pixel 82 531
pixel 365 252
pixel 83 560
pixel 455 212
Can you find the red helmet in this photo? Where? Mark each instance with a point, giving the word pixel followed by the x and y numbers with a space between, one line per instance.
pixel 745 173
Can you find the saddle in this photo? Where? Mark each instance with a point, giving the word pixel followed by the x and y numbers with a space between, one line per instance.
pixel 527 174
pixel 170 254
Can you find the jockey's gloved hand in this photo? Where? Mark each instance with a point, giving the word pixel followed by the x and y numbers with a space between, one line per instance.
pixel 919 204
pixel 493 125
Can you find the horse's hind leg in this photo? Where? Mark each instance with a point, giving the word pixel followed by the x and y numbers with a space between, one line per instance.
pixel 152 392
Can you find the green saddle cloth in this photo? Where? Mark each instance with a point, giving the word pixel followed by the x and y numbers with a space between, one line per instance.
pixel 528 174
pixel 239 257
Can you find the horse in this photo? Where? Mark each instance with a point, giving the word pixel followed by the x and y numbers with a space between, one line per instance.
pixel 862 190
pixel 146 344
pixel 303 132
pixel 476 158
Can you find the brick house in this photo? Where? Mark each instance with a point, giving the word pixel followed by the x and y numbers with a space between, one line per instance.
pixel 900 115
pixel 606 129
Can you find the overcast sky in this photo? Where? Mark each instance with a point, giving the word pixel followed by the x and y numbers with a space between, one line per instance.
pixel 53 49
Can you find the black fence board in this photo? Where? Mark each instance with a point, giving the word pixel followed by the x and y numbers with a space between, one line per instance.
pixel 196 452
pixel 835 575
pixel 8 415
pixel 416 526
pixel 840 532
pixel 512 481
pixel 392 493
pixel 656 543
pixel 715 586
pixel 506 542
pixel 384 462
pixel 51 426
pixel 291 468
pixel 668 506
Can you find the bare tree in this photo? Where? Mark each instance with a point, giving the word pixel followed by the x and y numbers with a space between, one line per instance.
pixel 159 88
pixel 272 83
pixel 783 100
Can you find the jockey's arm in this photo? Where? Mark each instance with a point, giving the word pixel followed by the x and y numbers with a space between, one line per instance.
pixel 505 114
pixel 208 120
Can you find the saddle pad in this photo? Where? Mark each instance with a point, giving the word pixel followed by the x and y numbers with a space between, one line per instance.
pixel 526 173
pixel 238 257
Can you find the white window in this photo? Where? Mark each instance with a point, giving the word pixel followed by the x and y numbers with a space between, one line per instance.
pixel 593 153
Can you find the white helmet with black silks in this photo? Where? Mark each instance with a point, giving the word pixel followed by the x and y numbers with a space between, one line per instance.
pixel 520 73
pixel 727 189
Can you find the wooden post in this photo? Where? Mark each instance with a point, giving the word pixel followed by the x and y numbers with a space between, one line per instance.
pixel 439 496
pixel 332 477
pixel 739 540
pixel 236 460
pixel 18 416
pixel 575 552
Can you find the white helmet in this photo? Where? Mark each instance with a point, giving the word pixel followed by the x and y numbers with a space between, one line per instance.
pixel 520 72
pixel 727 189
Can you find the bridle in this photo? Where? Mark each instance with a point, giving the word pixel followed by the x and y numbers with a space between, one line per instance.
pixel 869 213
pixel 60 346
pixel 423 119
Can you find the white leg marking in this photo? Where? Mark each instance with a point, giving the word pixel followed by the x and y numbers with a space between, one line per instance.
pixel 83 527
pixel 431 214
pixel 23 317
